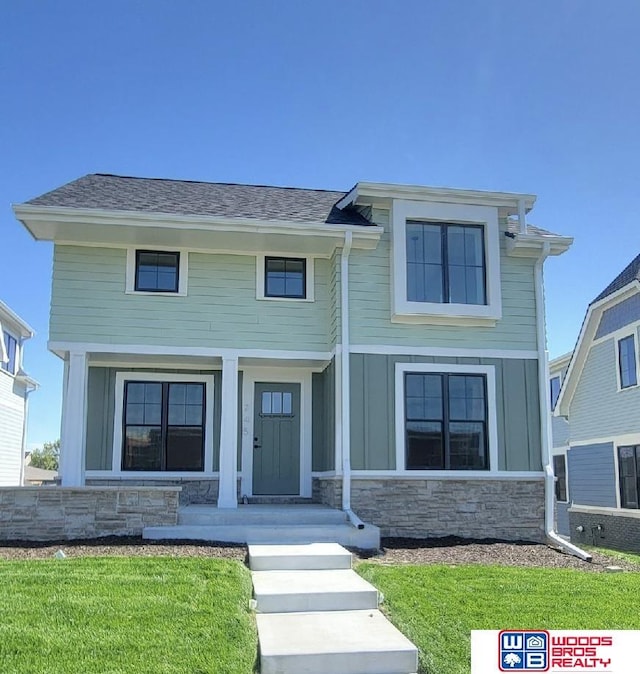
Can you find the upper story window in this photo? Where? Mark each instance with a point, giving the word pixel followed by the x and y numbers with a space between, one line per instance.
pixel 11 349
pixel 285 277
pixel 157 271
pixel 554 386
pixel 627 367
pixel 629 467
pixel 446 263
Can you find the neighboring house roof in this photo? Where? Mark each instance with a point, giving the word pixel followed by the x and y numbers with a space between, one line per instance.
pixel 186 197
pixel 9 317
pixel 630 273
pixel 559 363
pixel 33 474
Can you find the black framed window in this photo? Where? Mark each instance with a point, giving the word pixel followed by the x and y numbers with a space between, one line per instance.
pixel 163 426
pixel 629 473
pixel 554 390
pixel 445 263
pixel 285 277
pixel 560 471
pixel 627 362
pixel 11 346
pixel 157 271
pixel 445 421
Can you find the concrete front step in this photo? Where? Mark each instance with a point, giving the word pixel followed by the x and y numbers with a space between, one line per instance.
pixel 260 514
pixel 312 556
pixel 366 539
pixel 304 591
pixel 349 642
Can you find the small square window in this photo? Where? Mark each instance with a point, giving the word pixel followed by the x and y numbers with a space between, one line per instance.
pixel 157 271
pixel 285 277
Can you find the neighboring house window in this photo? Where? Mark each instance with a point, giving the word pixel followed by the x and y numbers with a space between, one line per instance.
pixel 445 421
pixel 163 426
pixel 560 471
pixel 445 263
pixel 627 362
pixel 629 469
pixel 555 391
pixel 285 277
pixel 157 271
pixel 11 347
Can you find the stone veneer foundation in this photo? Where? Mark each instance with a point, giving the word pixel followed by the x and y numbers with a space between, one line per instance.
pixel 192 490
pixel 56 513
pixel 426 508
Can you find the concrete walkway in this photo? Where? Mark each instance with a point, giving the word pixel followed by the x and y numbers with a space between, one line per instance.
pixel 316 615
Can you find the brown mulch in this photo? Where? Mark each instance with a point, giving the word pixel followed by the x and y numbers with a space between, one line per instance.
pixel 451 551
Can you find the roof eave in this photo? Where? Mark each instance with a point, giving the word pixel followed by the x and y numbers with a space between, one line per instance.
pixel 7 315
pixel 530 244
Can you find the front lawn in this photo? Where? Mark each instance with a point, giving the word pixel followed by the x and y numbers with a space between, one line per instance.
pixel 126 615
pixel 438 606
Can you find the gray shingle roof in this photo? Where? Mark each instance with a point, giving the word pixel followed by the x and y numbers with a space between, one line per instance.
pixel 630 273
pixel 184 197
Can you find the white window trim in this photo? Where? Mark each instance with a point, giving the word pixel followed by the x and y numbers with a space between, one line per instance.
pixel 4 355
pixel 492 421
pixel 405 311
pixel 116 465
pixel 183 271
pixel 618 339
pixel 309 278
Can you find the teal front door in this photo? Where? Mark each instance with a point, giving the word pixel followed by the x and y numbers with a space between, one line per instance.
pixel 276 439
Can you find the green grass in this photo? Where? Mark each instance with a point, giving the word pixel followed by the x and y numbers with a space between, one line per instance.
pixel 438 606
pixel 616 554
pixel 121 615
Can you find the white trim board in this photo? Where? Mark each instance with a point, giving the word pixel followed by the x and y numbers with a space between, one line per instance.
pixel 442 351
pixel 444 368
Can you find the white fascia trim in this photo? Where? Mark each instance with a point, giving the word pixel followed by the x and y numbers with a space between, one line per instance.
pixel 183 271
pixel 442 351
pixel 24 330
pixel 309 280
pixel 559 363
pixel 383 191
pixel 446 475
pixel 29 215
pixel 530 244
pixel 426 312
pixel 603 510
pixel 121 378
pixel 443 368
pixel 585 340
pixel 624 334
pixel 198 351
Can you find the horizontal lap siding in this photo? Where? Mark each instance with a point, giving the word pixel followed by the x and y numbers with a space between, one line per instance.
pixel 592 478
pixel 373 410
pixel 560 430
pixel 598 409
pixel 370 294
pixel 11 423
pixel 89 304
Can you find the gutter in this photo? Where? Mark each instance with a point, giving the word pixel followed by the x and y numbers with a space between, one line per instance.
pixel 545 415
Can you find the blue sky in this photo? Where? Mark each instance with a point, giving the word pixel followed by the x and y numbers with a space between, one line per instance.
pixel 539 96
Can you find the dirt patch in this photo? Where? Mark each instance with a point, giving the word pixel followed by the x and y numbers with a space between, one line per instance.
pixel 452 551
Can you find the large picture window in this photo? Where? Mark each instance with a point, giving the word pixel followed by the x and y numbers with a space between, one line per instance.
pixel 629 473
pixel 11 348
pixel 445 421
pixel 445 263
pixel 163 426
pixel 627 362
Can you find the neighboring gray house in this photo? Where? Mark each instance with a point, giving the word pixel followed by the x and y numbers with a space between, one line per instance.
pixel 380 350
pixel 15 386
pixel 600 397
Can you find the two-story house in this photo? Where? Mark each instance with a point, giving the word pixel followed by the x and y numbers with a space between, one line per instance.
pixel 15 387
pixel 380 350
pixel 600 398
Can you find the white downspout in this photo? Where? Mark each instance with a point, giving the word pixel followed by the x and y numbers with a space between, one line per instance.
pixel 25 419
pixel 545 415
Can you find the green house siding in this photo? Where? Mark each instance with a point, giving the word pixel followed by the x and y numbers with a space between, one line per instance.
pixel 373 410
pixel 89 304
pixel 323 423
pixel 370 309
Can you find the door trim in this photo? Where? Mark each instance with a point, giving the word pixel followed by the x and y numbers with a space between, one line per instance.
pixel 302 376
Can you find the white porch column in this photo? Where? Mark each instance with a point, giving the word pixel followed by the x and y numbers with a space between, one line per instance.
pixel 227 488
pixel 74 420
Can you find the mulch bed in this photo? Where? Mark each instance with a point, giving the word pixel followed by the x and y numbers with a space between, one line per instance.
pixel 451 551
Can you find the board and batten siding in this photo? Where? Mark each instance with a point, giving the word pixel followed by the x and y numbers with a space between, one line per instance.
pixel 323 419
pixel 373 410
pixel 592 477
pixel 370 309
pixel 89 304
pixel 598 409
pixel 11 426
